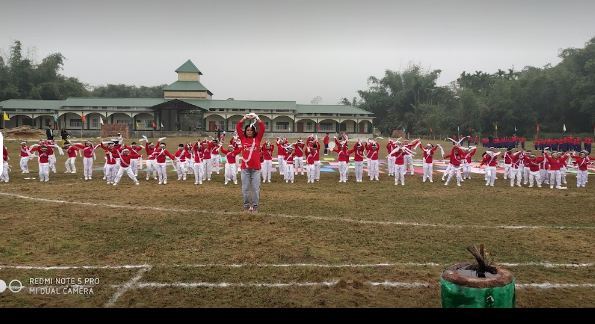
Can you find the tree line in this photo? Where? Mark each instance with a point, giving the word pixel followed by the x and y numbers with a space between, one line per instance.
pixel 502 103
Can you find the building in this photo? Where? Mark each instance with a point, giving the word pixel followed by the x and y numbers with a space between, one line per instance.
pixel 186 106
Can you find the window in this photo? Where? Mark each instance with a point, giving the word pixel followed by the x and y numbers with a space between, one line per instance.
pixel 76 123
pixel 282 126
pixel 148 123
pixel 327 127
pixel 123 121
pixel 267 125
pixel 95 122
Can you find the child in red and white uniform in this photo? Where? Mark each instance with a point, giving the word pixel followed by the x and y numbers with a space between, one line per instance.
pixel 43 155
pixel 160 158
pixel 428 161
pixel 289 158
pixel 516 168
pixel 507 162
pixel 315 147
pixel 358 150
pixel 136 156
pixel 5 167
pixel 88 156
pixel 125 166
pixel 206 157
pixel 310 167
pixel 25 156
pixel 110 161
pixel 372 151
pixel 298 148
pixel 150 163
pixel 555 160
pixel 215 158
pixel 181 158
pixel 533 163
pixel 390 146
pixel 230 164
pixel 343 159
pixel 490 159
pixel 409 155
pixel 52 155
pixel 267 161
pixel 197 166
pixel 456 157
pixel 281 155
pixel 469 153
pixel 72 152
pixel 582 161
pixel 399 152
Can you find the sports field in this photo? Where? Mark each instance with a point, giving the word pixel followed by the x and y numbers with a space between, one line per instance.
pixel 370 244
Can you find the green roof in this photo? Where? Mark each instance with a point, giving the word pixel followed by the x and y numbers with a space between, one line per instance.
pixel 187 86
pixel 112 102
pixel 330 109
pixel 31 104
pixel 188 67
pixel 242 104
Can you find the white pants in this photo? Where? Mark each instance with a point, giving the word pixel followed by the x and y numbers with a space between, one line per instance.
pixel 216 161
pixel 151 168
pixel 128 171
pixel 454 170
pixel 563 174
pixel 230 173
pixel 400 170
pixel 110 173
pixel 409 164
pixel 428 168
pixel 281 162
pixel 544 176
pixel 267 169
pixel 534 177
pixel 134 163
pixel 446 172
pixel 581 178
pixel 391 165
pixel 52 162
pixel 317 170
pixel 374 171
pixel 555 178
pixel 139 165
pixel 490 175
pixel 87 167
pixel 24 164
pixel 289 175
pixel 359 171
pixel 343 171
pixel 515 173
pixel 70 165
pixel 162 172
pixel 525 171
pixel 4 176
pixel 44 172
pixel 199 172
pixel 208 164
pixel 311 171
pixel 507 168
pixel 181 170
pixel 299 164
pixel 466 170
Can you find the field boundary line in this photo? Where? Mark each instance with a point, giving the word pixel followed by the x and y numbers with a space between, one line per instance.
pixel 308 217
pixel 127 286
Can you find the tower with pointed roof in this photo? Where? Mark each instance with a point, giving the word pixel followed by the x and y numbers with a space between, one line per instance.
pixel 188 85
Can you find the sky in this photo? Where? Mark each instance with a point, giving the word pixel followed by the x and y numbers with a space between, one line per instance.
pixel 292 50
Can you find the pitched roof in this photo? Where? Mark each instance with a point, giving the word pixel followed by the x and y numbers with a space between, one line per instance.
pixel 31 104
pixel 186 86
pixel 188 67
pixel 330 109
pixel 111 102
pixel 243 104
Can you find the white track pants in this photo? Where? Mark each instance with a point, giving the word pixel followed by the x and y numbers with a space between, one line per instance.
pixel 400 170
pixel 343 171
pixel 507 168
pixel 181 170
pixel 199 172
pixel 110 173
pixel 52 162
pixel 162 172
pixel 534 177
pixel 231 173
pixel 289 173
pixel 281 162
pixel 24 164
pixel 581 178
pixel 374 171
pixel 428 169
pixel 391 165
pixel 466 170
pixel 317 170
pixel 490 176
pixel 151 168
pixel 70 165
pixel 359 171
pixel 299 164
pixel 455 171
pixel 409 164
pixel 311 171
pixel 267 170
pixel 87 167
pixel 44 172
pixel 555 178
pixel 128 171
pixel 4 176
pixel 516 173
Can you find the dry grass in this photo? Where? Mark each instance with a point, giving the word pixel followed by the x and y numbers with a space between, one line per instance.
pixel 212 229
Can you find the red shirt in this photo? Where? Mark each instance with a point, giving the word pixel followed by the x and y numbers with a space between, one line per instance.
pixel 326 139
pixel 125 160
pixel 359 153
pixel 251 146
pixel 24 151
pixel 72 151
pixel 582 163
pixel 231 155
pixel 4 153
pixel 266 153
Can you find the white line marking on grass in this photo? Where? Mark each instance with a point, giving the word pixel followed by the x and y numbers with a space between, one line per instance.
pixel 399 284
pixel 547 285
pixel 548 264
pixel 234 284
pixel 309 217
pixel 21 267
pixel 127 286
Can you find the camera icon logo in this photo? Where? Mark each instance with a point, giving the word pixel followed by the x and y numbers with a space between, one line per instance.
pixel 2 286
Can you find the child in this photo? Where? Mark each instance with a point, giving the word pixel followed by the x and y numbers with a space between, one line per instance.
pixel 125 159
pixel 230 163
pixel 289 156
pixel 25 156
pixel 582 161
pixel 267 163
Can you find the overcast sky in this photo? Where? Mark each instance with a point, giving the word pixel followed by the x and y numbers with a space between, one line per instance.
pixel 292 50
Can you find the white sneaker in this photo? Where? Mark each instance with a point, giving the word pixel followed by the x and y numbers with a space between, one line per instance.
pixel 235 182
pixel 164 181
pixel 136 183
pixel 458 184
pixel 115 184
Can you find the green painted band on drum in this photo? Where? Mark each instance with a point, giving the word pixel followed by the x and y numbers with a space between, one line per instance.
pixel 457 296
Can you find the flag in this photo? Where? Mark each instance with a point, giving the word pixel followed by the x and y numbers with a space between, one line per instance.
pixel 56 118
pixel 101 120
pixel 5 116
pixel 495 126
pixel 84 118
pixel 162 125
pixel 153 125
pixel 564 128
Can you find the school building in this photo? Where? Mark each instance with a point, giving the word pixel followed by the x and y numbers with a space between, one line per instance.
pixel 186 107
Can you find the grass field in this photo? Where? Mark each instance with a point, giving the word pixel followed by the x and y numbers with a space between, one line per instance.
pixel 369 244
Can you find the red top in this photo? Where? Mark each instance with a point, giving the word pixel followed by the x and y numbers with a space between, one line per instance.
pixel 24 151
pixel 266 153
pixel 72 151
pixel 250 146
pixel 231 155
pixel 326 139
pixel 4 153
